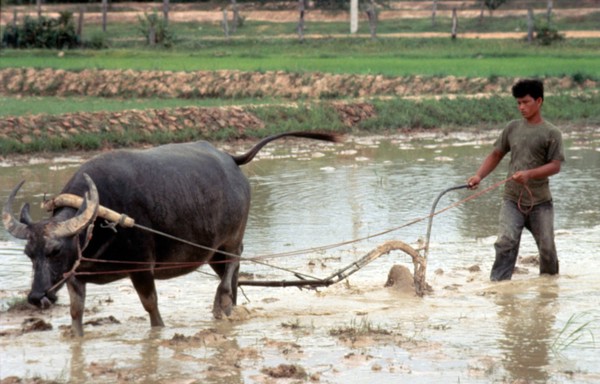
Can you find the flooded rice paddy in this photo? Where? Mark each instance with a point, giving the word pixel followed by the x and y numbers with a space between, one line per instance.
pixel 533 329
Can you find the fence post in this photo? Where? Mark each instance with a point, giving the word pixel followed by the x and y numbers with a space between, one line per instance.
pixel 353 16
pixel 236 16
pixel 530 25
pixel 481 12
pixel 454 23
pixel 104 12
pixel 300 27
pixel 372 15
pixel 433 12
pixel 80 24
pixel 225 23
pixel 38 4
pixel 166 11
pixel 549 12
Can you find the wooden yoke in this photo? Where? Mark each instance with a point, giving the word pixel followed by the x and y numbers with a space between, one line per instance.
pixel 74 201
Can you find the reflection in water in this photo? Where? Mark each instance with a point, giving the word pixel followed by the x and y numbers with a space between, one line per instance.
pixel 77 375
pixel 149 357
pixel 218 357
pixel 527 319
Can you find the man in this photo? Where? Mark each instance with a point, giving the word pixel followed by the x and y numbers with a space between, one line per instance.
pixel 536 154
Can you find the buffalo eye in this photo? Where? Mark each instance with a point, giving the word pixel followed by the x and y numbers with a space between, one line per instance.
pixel 53 254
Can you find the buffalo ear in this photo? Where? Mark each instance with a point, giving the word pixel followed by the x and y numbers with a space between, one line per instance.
pixel 14 227
pixel 25 217
pixel 86 236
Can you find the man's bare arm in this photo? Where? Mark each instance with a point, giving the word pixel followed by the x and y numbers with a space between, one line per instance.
pixel 489 164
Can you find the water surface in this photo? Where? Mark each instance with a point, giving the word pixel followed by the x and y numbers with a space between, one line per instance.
pixel 308 195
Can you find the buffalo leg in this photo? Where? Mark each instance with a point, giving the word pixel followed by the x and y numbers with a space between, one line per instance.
pixel 227 268
pixel 143 282
pixel 76 290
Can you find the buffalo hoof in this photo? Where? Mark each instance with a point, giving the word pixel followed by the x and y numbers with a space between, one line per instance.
pixel 45 303
pixel 223 306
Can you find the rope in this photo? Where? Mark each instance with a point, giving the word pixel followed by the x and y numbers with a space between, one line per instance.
pixel 257 259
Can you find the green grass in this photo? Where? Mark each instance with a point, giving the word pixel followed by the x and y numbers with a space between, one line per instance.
pixel 575 332
pixel 393 57
pixel 356 328
pixel 391 114
pixel 259 46
pixel 56 105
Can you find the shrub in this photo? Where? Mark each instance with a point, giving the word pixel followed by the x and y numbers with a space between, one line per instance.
pixel 97 41
pixel 155 29
pixel 43 32
pixel 546 35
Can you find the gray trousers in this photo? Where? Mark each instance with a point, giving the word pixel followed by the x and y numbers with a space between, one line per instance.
pixel 540 222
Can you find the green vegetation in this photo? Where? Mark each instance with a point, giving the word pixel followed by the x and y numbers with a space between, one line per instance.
pixel 393 57
pixel 189 34
pixel 364 327
pixel 328 47
pixel 576 331
pixel 42 32
pixel 390 114
pixel 12 106
pixel 155 30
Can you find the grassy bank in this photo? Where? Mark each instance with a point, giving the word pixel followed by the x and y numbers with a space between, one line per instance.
pixel 387 56
pixel 93 131
pixel 13 106
pixel 330 81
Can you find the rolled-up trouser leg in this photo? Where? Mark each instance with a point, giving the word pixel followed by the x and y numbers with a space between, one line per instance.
pixel 540 223
pixel 510 229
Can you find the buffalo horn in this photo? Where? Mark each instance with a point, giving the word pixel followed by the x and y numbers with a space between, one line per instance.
pixel 85 215
pixel 14 227
pixel 74 201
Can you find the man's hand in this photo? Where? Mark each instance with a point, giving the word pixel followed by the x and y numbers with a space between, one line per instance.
pixel 521 177
pixel 474 181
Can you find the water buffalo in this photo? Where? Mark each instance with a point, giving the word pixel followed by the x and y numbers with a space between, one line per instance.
pixel 191 190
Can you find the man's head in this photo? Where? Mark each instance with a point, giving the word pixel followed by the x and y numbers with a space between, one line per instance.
pixel 530 97
pixel 533 88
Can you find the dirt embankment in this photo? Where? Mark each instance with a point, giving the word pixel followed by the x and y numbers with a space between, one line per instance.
pixel 238 84
pixel 221 84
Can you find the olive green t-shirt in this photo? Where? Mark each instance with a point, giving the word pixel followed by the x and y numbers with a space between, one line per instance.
pixel 530 146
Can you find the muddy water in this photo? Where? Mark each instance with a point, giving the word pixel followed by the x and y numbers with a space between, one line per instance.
pixel 538 329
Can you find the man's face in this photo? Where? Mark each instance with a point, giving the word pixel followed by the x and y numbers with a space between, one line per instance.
pixel 529 107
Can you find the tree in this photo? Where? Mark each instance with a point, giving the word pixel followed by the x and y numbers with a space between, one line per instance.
pixel 492 5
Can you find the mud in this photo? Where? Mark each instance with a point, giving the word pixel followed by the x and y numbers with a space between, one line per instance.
pixel 467 329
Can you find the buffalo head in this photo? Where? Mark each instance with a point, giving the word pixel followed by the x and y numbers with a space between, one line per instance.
pixel 53 244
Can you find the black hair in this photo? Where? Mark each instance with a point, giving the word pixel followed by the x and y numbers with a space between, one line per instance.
pixel 533 88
